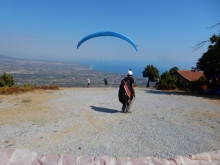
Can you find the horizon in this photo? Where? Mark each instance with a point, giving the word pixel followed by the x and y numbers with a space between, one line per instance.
pixel 165 32
pixel 105 67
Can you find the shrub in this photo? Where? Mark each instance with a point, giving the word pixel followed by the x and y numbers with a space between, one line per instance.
pixel 6 80
pixel 2 83
pixel 52 87
pixel 196 84
pixel 169 82
pixel 29 87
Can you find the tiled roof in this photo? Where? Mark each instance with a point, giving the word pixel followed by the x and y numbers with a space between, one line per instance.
pixel 190 75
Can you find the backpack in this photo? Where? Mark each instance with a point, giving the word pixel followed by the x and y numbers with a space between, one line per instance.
pixel 124 93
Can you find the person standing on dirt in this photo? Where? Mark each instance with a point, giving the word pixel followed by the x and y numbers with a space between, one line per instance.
pixel 106 81
pixel 88 83
pixel 126 105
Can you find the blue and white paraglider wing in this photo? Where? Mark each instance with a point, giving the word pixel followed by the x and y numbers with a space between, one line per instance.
pixel 107 33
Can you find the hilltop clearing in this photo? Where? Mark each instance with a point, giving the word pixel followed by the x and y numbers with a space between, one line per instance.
pixel 88 121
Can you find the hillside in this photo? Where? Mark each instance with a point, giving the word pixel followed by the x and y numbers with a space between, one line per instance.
pixel 59 73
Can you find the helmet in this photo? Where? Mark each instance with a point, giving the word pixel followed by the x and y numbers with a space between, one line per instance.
pixel 129 72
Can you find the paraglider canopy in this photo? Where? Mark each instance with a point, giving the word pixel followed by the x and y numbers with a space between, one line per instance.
pixel 107 33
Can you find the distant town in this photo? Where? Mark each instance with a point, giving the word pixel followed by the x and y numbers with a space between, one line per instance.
pixel 58 73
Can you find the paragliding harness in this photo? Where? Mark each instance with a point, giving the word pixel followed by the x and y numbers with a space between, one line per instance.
pixel 124 93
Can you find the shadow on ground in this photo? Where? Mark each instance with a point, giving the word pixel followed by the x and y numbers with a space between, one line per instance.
pixel 106 110
pixel 183 93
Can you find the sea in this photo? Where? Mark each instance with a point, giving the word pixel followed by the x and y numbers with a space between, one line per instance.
pixel 119 67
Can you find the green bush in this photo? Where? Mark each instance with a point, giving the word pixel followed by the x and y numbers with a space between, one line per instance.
pixel 196 85
pixel 168 82
pixel 2 83
pixel 164 84
pixel 6 80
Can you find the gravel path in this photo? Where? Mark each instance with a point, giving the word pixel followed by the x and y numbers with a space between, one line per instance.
pixel 83 121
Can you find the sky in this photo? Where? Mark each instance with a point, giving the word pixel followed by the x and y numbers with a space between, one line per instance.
pixel 164 30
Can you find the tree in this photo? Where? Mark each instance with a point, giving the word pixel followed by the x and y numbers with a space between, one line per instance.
pixel 6 80
pixel 209 63
pixel 201 43
pixel 151 72
pixel 173 69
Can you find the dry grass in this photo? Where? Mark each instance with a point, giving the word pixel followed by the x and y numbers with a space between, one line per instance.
pixel 25 88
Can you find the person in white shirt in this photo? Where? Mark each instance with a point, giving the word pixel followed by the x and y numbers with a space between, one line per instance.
pixel 88 83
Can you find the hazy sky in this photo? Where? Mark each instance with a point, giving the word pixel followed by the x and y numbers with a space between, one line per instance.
pixel 164 30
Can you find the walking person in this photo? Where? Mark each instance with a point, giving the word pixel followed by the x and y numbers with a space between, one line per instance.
pixel 88 83
pixel 127 92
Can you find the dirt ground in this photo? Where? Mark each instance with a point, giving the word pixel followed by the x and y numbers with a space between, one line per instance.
pixel 80 121
pixel 15 108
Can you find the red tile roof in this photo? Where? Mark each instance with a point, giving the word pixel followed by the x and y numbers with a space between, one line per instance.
pixel 190 75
